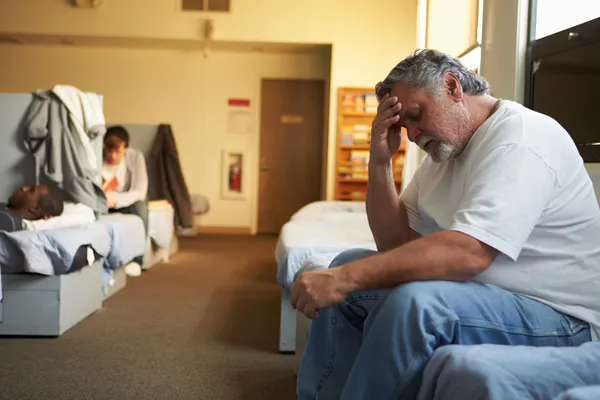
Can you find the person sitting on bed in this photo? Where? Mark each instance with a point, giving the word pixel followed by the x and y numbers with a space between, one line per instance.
pixel 29 204
pixel 125 181
pixel 494 240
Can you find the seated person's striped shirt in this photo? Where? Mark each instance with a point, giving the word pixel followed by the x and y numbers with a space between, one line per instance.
pixel 9 221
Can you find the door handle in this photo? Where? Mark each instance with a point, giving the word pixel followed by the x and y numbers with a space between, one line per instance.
pixel 263 168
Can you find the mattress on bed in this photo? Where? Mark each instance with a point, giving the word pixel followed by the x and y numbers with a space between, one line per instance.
pixel 127 238
pixel 50 252
pixel 161 223
pixel 321 209
pixel 313 243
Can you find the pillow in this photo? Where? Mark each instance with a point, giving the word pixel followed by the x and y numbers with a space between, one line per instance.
pixel 73 215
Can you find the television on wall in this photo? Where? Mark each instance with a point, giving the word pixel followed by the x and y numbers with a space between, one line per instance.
pixel 564 83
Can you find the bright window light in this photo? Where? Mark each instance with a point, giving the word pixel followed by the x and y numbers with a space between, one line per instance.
pixel 556 15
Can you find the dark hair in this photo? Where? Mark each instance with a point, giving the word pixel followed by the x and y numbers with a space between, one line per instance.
pixel 51 204
pixel 116 132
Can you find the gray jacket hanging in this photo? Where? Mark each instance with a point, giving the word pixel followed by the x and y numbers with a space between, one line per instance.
pixel 59 152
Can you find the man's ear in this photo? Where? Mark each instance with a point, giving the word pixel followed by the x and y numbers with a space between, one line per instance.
pixel 453 87
pixel 35 209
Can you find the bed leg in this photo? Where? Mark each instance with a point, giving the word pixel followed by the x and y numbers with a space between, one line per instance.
pixel 287 325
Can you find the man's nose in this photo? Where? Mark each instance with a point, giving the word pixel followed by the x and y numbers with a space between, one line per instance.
pixel 412 132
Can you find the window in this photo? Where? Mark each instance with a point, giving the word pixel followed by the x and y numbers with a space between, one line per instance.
pixel 553 16
pixel 441 32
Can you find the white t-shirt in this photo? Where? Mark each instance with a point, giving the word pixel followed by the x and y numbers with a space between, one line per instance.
pixel 119 171
pixel 520 186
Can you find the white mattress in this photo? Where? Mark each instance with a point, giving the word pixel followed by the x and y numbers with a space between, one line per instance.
pixel 161 224
pixel 321 209
pixel 316 234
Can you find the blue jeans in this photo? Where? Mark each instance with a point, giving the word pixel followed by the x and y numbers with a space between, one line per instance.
pixel 496 372
pixel 375 344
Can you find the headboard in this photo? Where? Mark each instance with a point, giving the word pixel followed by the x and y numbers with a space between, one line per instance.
pixel 16 163
pixel 142 138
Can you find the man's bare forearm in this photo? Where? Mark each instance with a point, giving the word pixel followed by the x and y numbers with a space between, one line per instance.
pixel 387 216
pixel 447 255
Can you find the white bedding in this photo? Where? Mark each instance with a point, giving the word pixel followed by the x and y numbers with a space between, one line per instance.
pixel 74 215
pixel 314 239
pixel 161 223
pixel 320 209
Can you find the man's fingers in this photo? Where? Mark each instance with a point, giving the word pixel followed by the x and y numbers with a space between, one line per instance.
pixel 386 103
pixel 310 311
pixel 385 115
pixel 301 305
pixel 384 125
pixel 294 296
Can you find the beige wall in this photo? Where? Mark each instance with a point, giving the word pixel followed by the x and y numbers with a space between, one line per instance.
pixel 367 38
pixel 183 89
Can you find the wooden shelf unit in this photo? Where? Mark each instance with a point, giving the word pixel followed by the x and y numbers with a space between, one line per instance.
pixel 357 108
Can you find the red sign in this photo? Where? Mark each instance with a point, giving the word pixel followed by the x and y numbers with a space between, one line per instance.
pixel 239 102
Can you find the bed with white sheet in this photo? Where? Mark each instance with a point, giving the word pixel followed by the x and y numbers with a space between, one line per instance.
pixel 58 274
pixel 162 240
pixel 127 241
pixel 311 239
pixel 51 279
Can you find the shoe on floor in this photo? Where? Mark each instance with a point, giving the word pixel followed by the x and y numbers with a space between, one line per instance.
pixel 133 269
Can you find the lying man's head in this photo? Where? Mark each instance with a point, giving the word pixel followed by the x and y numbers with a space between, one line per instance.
pixel 37 202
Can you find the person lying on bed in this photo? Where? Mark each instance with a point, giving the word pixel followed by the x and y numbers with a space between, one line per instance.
pixel 494 240
pixel 29 203
pixel 125 181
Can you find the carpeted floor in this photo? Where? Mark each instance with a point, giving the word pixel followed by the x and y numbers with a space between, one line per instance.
pixel 204 326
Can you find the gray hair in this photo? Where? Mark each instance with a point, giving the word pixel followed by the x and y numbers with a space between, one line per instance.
pixel 425 69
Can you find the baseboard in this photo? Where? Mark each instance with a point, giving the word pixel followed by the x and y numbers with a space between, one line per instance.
pixel 224 230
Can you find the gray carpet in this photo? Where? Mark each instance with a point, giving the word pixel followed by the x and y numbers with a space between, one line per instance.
pixel 204 326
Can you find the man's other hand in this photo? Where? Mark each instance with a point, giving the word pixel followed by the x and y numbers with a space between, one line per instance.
pixel 314 290
pixel 111 199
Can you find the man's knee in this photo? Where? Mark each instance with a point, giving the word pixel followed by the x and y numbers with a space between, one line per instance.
pixel 418 302
pixel 140 208
pixel 347 256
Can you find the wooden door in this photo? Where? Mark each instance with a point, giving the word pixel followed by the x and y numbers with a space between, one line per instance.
pixel 291 144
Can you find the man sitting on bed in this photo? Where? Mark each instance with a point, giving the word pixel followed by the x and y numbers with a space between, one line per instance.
pixel 29 204
pixel 125 182
pixel 495 240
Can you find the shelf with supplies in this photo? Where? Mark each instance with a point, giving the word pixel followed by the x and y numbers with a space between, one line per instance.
pixel 357 107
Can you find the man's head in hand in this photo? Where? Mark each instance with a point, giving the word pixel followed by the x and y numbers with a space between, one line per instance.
pixel 442 101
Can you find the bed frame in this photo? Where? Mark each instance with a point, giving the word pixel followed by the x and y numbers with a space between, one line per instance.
pixel 120 282
pixel 156 256
pixel 37 305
